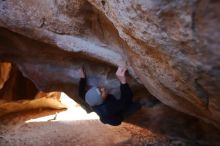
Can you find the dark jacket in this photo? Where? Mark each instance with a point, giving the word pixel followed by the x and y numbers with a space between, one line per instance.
pixel 111 110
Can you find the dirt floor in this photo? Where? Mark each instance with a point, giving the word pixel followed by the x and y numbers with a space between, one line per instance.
pixel 18 130
pixel 72 127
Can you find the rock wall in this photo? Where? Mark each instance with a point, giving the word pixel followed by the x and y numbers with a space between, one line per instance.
pixel 16 86
pixel 5 69
pixel 171 47
pixel 18 94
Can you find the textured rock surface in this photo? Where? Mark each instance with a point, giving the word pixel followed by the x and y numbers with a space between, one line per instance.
pixel 17 86
pixel 51 71
pixel 20 94
pixel 5 69
pixel 171 47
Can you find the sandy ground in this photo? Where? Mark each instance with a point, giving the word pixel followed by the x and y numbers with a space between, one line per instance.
pixel 71 133
pixel 71 127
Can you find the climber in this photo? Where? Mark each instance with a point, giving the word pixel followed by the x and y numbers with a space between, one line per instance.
pixel 109 109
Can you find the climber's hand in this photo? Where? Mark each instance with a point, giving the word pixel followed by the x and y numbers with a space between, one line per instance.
pixel 120 73
pixel 82 72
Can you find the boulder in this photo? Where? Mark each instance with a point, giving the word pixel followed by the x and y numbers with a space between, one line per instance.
pixel 171 48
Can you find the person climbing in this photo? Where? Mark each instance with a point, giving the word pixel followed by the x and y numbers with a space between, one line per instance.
pixel 110 110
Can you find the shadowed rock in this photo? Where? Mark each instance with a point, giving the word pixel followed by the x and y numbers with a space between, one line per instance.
pixel 170 47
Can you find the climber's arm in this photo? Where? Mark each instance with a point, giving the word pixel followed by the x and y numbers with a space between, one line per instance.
pixel 120 74
pixel 82 88
pixel 126 91
pixel 82 84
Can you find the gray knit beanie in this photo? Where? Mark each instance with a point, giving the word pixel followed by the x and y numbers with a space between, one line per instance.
pixel 93 97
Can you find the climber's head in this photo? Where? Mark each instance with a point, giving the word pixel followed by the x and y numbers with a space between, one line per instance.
pixel 95 96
